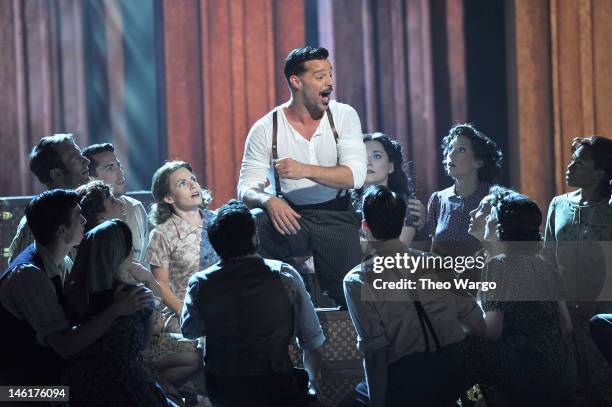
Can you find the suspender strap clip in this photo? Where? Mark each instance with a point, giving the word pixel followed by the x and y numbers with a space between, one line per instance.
pixel 277 185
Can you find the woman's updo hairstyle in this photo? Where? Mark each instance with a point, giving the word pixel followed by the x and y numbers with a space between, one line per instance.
pixel 398 182
pixel 484 149
pixel 160 188
pixel 518 222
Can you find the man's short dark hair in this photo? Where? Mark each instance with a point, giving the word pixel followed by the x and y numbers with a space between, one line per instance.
pixel 384 211
pixel 47 211
pixel 44 157
pixel 231 231
pixel 294 63
pixel 93 150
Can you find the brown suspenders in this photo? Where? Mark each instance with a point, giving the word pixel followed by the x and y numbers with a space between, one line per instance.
pixel 277 186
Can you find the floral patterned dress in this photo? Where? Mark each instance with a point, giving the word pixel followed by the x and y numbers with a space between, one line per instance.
pixel 183 249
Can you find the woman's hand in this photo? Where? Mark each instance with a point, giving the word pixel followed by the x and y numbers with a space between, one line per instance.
pixel 142 274
pixel 127 301
pixel 418 211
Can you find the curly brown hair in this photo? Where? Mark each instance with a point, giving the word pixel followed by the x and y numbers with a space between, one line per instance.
pixel 91 199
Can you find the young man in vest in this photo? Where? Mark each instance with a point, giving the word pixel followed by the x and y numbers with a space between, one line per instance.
pixel 385 318
pixel 36 333
pixel 249 308
pixel 104 166
pixel 57 163
pixel 311 150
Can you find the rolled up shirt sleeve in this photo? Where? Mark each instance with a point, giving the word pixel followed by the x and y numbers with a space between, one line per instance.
pixel 307 327
pixel 351 149
pixel 366 319
pixel 30 295
pixel 256 160
pixel 192 324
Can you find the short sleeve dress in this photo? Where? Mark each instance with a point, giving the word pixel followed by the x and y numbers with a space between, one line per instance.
pixel 532 360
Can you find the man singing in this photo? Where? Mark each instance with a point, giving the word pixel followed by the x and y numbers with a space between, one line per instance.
pixel 311 151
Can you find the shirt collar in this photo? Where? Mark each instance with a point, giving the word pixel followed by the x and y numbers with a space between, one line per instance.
pixel 184 228
pixel 386 247
pixel 482 190
pixel 52 269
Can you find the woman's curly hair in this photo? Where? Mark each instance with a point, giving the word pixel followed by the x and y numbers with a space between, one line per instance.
pixel 484 149
pixel 518 222
pixel 91 199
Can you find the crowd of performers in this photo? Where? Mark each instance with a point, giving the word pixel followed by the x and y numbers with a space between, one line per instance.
pixel 125 306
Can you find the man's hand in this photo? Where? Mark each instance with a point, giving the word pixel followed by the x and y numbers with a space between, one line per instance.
pixel 284 218
pixel 291 169
pixel 417 209
pixel 127 302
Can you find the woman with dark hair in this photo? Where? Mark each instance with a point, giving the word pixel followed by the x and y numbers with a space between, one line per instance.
pixel 169 355
pixel 473 161
pixel 578 241
pixel 386 167
pixel 524 358
pixel 108 372
pixel 98 204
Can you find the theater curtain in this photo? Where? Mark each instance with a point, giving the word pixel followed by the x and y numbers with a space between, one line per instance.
pixel 42 82
pixel 223 71
pixel 559 86
pixel 401 64
pixel 186 79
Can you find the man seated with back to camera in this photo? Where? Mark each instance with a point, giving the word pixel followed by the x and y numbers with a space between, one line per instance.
pixel 37 335
pixel 249 308
pixel 410 337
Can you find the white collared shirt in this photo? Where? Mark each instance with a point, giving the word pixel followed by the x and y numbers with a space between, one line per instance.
pixel 320 150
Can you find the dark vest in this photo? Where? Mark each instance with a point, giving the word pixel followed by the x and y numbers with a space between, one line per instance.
pixel 248 319
pixel 23 359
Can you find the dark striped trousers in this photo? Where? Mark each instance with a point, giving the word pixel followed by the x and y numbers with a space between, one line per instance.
pixel 331 237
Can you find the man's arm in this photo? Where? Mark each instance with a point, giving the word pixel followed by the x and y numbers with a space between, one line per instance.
pixel 252 181
pixel 351 170
pixel 23 238
pixel 143 225
pixel 71 341
pixel 192 324
pixel 375 366
pixel 371 337
pixel 339 176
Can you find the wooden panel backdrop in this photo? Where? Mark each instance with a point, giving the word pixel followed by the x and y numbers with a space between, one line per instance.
pixel 42 82
pixel 188 79
pixel 558 84
pixel 383 53
pixel 223 65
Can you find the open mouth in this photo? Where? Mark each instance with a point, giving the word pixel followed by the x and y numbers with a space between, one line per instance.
pixel 196 194
pixel 371 172
pixel 326 96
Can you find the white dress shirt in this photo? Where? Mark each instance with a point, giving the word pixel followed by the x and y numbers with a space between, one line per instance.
pixel 321 150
